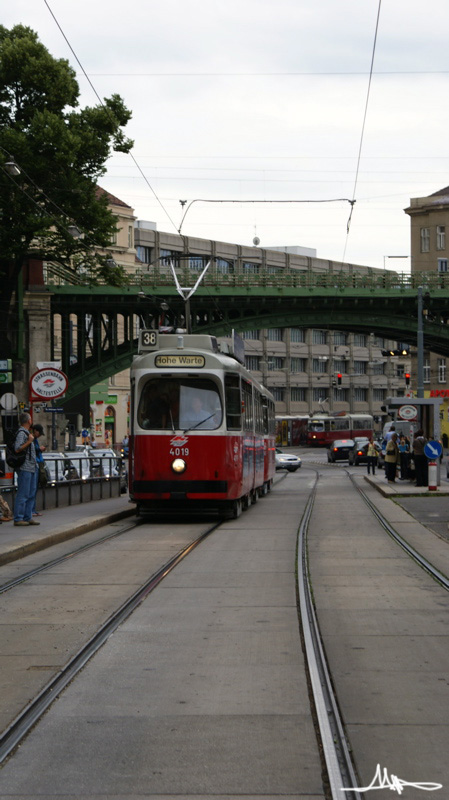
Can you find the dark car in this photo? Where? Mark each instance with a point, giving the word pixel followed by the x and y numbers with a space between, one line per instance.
pixel 359 453
pixel 339 450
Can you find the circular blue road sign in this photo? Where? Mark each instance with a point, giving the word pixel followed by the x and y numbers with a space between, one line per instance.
pixel 433 449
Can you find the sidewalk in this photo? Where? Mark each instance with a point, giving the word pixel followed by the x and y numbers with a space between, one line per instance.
pixel 404 488
pixel 59 524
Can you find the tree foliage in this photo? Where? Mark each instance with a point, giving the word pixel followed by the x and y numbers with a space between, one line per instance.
pixel 61 150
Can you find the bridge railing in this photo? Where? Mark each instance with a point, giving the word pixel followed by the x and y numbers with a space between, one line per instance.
pixel 161 275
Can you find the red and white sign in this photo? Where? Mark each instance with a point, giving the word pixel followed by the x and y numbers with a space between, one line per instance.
pixel 408 412
pixel 47 384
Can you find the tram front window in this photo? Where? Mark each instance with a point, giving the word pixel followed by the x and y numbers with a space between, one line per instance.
pixel 316 427
pixel 180 404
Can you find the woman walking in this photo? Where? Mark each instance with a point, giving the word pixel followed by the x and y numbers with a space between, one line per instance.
pixel 371 454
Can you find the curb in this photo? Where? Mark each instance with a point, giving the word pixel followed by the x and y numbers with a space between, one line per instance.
pixel 63 534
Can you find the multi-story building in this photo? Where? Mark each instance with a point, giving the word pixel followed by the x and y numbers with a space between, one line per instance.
pixel 300 366
pixel 429 222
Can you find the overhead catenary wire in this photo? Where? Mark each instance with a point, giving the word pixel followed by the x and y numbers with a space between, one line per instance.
pixel 105 107
pixel 363 128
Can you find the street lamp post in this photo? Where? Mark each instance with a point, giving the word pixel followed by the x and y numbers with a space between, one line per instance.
pixel 420 345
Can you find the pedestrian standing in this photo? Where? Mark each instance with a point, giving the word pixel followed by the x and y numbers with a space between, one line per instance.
pixel 37 430
pixel 371 454
pixel 391 458
pixel 420 459
pixel 27 473
pixel 404 456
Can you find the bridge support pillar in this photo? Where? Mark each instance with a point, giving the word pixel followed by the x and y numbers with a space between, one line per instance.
pixel 37 313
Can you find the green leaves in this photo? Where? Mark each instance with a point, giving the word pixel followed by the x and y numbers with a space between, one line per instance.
pixel 61 151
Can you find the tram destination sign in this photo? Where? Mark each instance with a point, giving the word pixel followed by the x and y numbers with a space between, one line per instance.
pixel 172 361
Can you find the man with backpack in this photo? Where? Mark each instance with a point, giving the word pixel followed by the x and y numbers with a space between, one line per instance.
pixel 26 473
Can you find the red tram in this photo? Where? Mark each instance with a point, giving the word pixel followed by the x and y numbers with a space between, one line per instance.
pixel 322 429
pixel 202 428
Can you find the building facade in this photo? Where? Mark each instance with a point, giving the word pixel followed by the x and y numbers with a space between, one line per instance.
pixel 429 222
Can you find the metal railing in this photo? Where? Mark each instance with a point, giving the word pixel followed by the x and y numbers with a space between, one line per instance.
pixel 339 280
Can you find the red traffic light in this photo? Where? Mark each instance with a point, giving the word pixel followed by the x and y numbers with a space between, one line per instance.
pixel 339 376
pixel 407 378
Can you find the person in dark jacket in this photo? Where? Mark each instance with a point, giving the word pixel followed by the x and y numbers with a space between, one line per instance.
pixel 391 458
pixel 420 459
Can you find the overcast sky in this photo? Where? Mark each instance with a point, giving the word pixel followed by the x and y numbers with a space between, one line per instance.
pixel 265 100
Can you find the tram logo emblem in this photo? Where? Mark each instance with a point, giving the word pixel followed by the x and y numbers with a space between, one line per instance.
pixel 179 441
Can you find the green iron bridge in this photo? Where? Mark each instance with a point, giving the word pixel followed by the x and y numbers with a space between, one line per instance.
pixel 99 324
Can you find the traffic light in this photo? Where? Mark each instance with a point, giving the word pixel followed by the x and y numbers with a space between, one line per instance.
pixel 401 352
pixel 407 379
pixel 339 376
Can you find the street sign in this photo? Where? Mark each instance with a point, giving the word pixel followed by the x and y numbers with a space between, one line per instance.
pixel 47 384
pixel 54 410
pixel 9 401
pixel 5 377
pixel 407 412
pixel 433 449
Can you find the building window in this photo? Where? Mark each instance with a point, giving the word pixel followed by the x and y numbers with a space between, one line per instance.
pixel 379 341
pixel 250 335
pixel 340 365
pixel 224 267
pixel 298 364
pixel 319 365
pixel 441 237
pixel 319 395
pixel 297 335
pixel 252 363
pixel 425 240
pixel 400 370
pixel 378 395
pixel 340 395
pixel 274 334
pixel 197 263
pixel 250 269
pixel 426 372
pixel 360 395
pixel 319 337
pixel 275 363
pixel 130 236
pixel 379 369
pixel 442 265
pixel 441 370
pixel 340 338
pixel 359 367
pixel 143 254
pixel 359 340
pixel 167 256
pixel 298 394
pixel 277 392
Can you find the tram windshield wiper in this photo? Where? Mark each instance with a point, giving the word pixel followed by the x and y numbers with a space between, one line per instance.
pixel 192 428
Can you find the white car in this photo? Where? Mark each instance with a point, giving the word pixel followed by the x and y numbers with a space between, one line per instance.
pixel 287 461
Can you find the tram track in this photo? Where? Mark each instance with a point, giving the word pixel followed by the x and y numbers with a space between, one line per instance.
pixel 435 573
pixel 25 576
pixel 336 747
pixel 25 721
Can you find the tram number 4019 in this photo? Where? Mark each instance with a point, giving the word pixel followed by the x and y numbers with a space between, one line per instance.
pixel 179 451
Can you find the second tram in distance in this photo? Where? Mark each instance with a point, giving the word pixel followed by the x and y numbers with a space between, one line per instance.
pixel 202 428
pixel 322 429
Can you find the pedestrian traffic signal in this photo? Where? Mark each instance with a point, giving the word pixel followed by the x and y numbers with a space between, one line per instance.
pixel 339 379
pixel 407 378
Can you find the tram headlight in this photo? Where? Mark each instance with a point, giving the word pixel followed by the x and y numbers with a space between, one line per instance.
pixel 179 465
